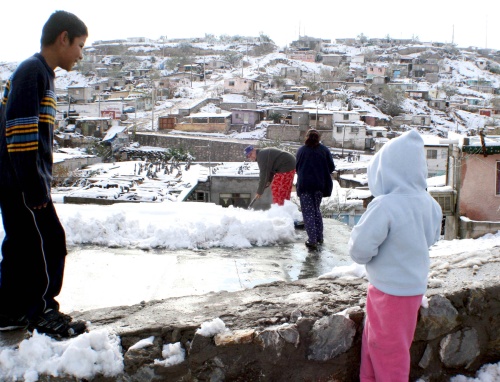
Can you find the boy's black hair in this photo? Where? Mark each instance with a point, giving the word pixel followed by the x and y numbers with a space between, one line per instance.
pixel 62 21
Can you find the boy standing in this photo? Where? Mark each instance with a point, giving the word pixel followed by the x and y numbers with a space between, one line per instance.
pixel 392 239
pixel 34 247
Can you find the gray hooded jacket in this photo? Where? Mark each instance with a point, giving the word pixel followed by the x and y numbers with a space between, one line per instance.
pixel 400 224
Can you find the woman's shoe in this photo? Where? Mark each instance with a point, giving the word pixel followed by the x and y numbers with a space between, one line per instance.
pixel 311 245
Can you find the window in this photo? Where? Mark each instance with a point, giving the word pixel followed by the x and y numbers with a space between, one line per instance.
pixel 235 199
pixel 432 154
pixel 369 133
pixel 498 178
pixel 340 129
pixel 355 130
pixel 379 134
pixel 200 196
pixel 231 83
pixel 346 117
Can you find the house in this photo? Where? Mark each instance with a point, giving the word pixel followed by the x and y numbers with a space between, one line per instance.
pixel 421 120
pixel 333 59
pixel 116 137
pixel 218 122
pixel 350 41
pixel 307 56
pixel 232 184
pixel 184 78
pixel 308 43
pixel 373 70
pixel 290 72
pixel 417 94
pixel 474 101
pixel 439 104
pixel 350 135
pixel 400 71
pixel 241 85
pixel 474 173
pixel 245 119
pixel 214 64
pixel 358 59
pixel 403 85
pixel 320 119
pixel 482 63
pixel 436 154
pixel 351 132
pixel 93 126
pixel 80 94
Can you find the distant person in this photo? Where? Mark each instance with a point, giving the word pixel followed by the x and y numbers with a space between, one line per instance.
pixel 277 168
pixel 392 239
pixel 34 247
pixel 314 182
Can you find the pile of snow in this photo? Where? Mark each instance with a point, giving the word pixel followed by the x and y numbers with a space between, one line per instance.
pixel 176 225
pixel 95 353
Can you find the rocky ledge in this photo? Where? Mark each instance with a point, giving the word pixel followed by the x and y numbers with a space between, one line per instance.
pixel 307 330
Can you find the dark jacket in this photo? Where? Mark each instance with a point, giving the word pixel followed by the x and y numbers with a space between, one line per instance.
pixel 314 166
pixel 27 116
pixel 272 161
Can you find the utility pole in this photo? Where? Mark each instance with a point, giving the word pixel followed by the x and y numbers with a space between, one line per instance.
pixel 343 139
pixel 153 108
pixel 317 113
pixel 69 102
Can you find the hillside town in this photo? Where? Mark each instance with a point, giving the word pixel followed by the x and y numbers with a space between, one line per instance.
pixel 167 104
pixel 166 123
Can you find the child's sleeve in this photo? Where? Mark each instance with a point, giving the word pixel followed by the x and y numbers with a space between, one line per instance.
pixel 368 234
pixel 22 134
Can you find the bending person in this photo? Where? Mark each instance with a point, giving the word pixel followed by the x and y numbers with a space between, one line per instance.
pixel 277 169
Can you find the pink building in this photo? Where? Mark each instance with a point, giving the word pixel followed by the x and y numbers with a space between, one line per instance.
pixel 480 179
pixel 241 85
pixel 375 71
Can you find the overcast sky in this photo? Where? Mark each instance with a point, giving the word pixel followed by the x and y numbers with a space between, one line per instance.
pixel 470 24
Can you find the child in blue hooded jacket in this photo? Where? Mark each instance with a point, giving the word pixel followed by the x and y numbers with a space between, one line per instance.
pixel 392 239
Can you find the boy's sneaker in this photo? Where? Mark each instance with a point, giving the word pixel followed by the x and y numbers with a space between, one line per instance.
pixel 55 323
pixel 10 323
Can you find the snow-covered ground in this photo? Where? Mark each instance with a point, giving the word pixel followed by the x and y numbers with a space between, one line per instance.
pixel 149 225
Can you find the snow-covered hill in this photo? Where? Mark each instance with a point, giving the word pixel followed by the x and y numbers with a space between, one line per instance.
pixel 457 70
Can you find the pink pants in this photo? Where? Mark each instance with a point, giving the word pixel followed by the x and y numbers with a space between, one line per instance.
pixel 281 187
pixel 387 336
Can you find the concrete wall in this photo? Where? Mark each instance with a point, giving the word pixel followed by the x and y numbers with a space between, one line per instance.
pixel 470 229
pixel 307 330
pixel 284 132
pixel 203 127
pixel 203 149
pixel 239 185
pixel 72 164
